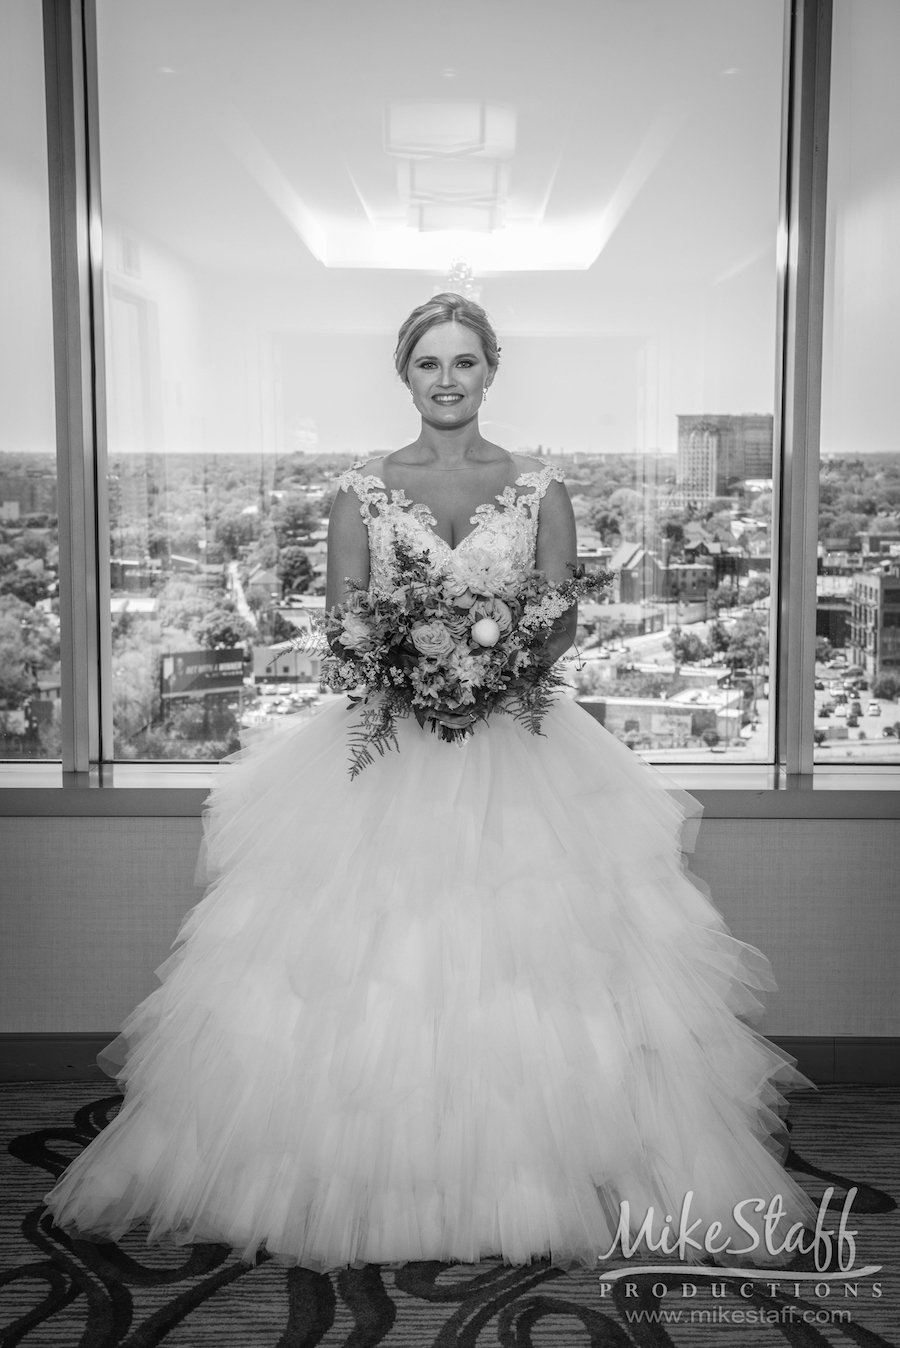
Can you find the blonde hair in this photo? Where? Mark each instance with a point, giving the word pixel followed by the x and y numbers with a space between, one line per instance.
pixel 446 308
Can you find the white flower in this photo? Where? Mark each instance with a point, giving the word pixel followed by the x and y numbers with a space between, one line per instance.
pixel 458 593
pixel 356 634
pixel 468 669
pixel 482 571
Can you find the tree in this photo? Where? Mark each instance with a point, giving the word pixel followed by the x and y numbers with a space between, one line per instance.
pixel 756 589
pixel 29 643
pixel 25 585
pixel 223 627
pixel 235 531
pixel 718 638
pixel 686 647
pixel 672 529
pixel 282 630
pixel 607 523
pixel 16 681
pixel 135 687
pixel 886 686
pixel 295 569
pixel 294 519
pixel 824 649
pixel 724 596
pixel 748 642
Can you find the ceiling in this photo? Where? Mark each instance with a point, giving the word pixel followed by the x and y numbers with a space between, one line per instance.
pixel 515 135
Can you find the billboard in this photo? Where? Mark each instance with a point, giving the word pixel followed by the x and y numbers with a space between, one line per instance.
pixel 196 673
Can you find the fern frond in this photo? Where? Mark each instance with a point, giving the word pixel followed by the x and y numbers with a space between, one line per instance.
pixel 376 729
pixel 530 704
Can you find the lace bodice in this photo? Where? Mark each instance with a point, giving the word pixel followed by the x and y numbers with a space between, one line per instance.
pixel 505 527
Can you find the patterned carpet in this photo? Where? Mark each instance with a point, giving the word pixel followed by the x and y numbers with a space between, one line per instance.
pixel 72 1294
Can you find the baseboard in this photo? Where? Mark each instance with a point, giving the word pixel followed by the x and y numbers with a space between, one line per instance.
pixel 826 1060
pixel 865 1060
pixel 53 1057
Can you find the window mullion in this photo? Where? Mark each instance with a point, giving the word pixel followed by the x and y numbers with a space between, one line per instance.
pixel 804 286
pixel 70 247
pixel 98 356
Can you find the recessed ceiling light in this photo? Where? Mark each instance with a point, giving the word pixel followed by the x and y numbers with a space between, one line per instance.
pixel 732 70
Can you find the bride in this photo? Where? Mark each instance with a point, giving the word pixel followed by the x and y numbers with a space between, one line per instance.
pixel 468 1004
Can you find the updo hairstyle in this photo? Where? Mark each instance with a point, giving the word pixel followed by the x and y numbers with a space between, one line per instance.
pixel 446 308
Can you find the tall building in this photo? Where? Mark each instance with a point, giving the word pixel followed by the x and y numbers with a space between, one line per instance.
pixel 875 620
pixel 33 490
pixel 716 453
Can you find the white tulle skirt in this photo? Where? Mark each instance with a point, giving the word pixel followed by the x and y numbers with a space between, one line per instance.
pixel 463 1006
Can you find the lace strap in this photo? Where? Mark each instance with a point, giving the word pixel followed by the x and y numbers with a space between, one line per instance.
pixel 539 482
pixel 368 488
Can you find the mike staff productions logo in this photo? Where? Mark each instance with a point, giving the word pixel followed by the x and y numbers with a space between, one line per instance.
pixel 834 1256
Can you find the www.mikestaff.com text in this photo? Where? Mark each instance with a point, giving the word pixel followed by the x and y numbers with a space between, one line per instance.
pixel 743 1315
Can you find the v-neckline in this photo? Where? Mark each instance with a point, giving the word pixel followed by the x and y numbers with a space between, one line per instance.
pixel 419 506
pixel 440 537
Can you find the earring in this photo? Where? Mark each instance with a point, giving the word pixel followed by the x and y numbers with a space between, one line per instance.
pixel 484 393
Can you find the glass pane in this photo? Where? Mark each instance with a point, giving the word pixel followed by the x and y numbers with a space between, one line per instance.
pixel 281 188
pixel 29 555
pixel 858 612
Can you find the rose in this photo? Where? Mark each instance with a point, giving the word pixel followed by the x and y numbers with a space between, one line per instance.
pixel 493 608
pixel 432 639
pixel 458 625
pixel 356 634
pixel 482 571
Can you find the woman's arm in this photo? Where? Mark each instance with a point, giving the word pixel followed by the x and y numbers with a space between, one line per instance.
pixel 556 554
pixel 348 547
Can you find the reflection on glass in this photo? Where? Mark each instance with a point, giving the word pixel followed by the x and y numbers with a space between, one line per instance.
pixel 280 189
pixel 858 609
pixel 29 555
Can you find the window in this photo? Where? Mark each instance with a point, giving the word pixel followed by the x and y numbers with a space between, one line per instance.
pixel 858 607
pixel 278 193
pixel 29 554
pixel 280 188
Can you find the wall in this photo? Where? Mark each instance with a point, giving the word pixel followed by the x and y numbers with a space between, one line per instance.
pixel 91 905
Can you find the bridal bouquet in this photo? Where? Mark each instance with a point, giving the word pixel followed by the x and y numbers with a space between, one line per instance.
pixel 449 647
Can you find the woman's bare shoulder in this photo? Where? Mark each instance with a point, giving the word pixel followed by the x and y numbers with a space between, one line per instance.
pixel 371 467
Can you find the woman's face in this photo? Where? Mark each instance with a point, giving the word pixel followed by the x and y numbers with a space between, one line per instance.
pixel 448 374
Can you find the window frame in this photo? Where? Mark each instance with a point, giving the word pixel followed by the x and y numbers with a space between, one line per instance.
pixel 70 41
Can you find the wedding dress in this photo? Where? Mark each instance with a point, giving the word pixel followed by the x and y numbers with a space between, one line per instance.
pixel 462 1006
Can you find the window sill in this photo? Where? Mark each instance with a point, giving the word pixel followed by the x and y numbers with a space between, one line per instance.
pixel 726 792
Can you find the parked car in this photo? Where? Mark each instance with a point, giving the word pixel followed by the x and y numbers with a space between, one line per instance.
pixel 825 713
pixel 856 707
pixel 873 709
pixel 852 720
pixel 888 731
pixel 842 710
pixel 819 686
pixel 841 698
